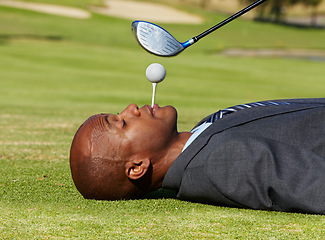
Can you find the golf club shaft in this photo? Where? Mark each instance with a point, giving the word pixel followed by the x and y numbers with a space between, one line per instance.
pixel 224 22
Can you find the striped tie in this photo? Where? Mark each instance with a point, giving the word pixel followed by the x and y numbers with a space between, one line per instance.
pixel 222 113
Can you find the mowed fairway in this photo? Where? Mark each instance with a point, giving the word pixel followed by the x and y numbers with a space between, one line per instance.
pixel 55 72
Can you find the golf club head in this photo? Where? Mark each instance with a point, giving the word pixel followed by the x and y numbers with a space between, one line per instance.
pixel 155 39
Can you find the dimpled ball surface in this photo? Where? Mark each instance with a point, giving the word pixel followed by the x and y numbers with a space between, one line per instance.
pixel 155 72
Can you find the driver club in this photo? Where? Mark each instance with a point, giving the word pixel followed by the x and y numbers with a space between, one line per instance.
pixel 158 41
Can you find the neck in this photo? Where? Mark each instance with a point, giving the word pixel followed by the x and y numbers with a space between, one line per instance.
pixel 161 166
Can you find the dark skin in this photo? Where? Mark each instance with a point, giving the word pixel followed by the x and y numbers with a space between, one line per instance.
pixel 125 155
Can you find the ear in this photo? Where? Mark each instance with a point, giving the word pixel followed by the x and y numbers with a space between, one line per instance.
pixel 135 169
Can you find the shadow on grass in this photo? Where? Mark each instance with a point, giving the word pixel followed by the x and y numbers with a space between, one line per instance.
pixel 7 37
pixel 291 24
pixel 161 193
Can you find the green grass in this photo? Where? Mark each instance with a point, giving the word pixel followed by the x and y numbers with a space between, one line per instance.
pixel 56 72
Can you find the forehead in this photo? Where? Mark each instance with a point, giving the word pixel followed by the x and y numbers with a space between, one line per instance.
pixel 101 139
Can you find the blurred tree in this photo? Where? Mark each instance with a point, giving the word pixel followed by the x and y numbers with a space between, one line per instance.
pixel 204 3
pixel 313 4
pixel 278 8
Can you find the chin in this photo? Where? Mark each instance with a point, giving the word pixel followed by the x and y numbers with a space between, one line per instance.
pixel 172 112
pixel 171 108
pixel 173 116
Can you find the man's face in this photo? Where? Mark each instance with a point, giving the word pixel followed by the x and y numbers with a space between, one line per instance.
pixel 142 131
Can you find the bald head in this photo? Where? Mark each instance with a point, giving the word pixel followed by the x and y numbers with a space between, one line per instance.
pixel 98 164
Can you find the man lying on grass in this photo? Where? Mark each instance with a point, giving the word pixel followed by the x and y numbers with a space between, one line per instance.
pixel 267 155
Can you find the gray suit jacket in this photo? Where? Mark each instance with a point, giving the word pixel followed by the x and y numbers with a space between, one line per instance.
pixel 270 157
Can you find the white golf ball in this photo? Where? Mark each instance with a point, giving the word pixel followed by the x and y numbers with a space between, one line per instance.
pixel 155 72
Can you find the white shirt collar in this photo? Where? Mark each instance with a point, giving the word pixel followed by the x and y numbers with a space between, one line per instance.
pixel 196 132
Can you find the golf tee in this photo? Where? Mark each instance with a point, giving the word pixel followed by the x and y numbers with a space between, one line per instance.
pixel 154 85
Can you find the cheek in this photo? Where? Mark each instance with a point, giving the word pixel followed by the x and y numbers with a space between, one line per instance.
pixel 141 137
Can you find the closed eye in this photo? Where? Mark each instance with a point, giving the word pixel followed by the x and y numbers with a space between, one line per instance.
pixel 106 119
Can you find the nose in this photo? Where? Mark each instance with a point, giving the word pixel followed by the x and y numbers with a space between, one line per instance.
pixel 132 109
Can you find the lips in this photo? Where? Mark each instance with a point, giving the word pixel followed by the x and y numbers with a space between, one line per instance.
pixel 154 109
pixel 149 109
